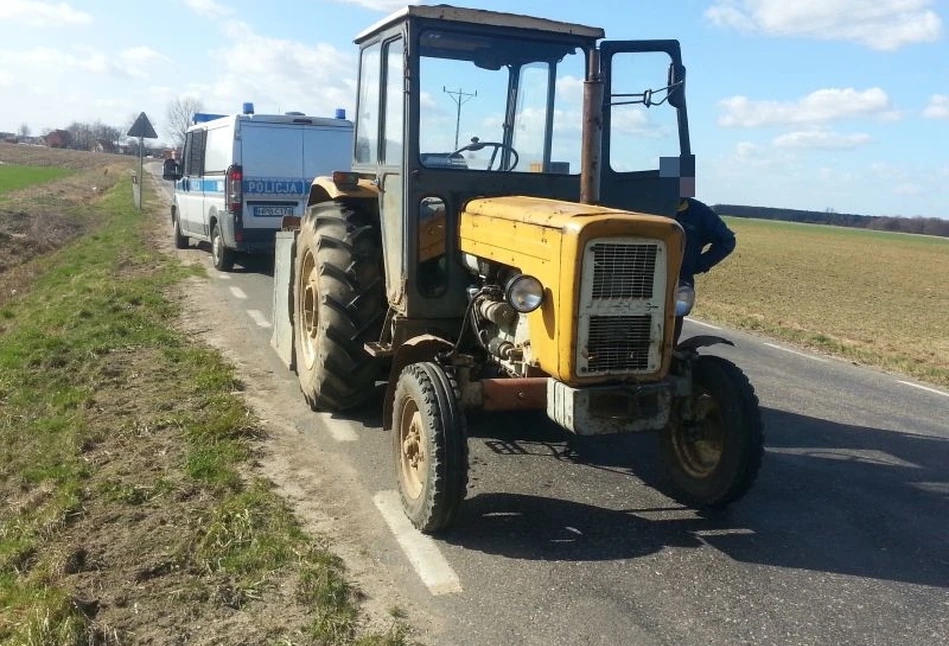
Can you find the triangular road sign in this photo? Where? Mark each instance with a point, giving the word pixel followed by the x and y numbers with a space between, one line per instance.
pixel 142 128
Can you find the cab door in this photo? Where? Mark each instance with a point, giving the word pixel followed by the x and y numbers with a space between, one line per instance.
pixel 647 163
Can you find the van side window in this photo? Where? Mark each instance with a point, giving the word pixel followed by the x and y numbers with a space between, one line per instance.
pixel 196 157
pixel 395 101
pixel 186 155
pixel 367 125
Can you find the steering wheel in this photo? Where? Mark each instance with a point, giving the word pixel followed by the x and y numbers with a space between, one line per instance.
pixel 476 145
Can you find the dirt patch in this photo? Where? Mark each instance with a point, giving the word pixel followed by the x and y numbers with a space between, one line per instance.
pixel 39 219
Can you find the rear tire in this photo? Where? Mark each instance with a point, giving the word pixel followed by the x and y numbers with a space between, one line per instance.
pixel 430 443
pixel 714 461
pixel 339 302
pixel 181 241
pixel 221 256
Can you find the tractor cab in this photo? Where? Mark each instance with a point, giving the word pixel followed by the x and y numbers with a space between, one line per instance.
pixel 458 103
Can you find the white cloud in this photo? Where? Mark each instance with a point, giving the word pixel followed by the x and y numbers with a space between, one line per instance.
pixel 209 8
pixel 42 14
pixel 142 55
pixel 821 140
pixel 883 25
pixel 836 176
pixel 938 107
pixel 747 150
pixel 39 57
pixel 128 63
pixel 818 107
pixel 381 5
pixel 908 189
pixel 569 90
pixel 279 74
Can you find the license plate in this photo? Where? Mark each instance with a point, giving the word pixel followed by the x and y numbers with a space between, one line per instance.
pixel 272 211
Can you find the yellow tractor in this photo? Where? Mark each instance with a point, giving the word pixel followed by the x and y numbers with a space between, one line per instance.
pixel 533 266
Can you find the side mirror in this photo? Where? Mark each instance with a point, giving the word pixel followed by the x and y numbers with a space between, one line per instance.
pixel 171 171
pixel 676 86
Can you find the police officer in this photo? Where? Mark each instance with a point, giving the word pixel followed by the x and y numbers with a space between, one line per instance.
pixel 708 241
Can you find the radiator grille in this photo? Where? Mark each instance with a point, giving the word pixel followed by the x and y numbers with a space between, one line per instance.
pixel 623 270
pixel 618 343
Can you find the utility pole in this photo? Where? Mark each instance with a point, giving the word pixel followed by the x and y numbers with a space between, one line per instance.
pixel 460 98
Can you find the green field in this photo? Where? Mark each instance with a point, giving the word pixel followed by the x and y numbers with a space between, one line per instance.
pixel 13 177
pixel 874 297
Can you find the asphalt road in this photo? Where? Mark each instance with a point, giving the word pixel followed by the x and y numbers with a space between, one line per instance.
pixel 843 540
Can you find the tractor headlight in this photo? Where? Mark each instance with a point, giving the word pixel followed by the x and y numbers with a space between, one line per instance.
pixel 685 299
pixel 524 293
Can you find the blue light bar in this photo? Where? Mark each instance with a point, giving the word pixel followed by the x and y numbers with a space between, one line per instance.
pixel 201 117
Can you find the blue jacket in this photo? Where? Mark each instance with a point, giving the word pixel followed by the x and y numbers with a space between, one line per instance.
pixel 703 228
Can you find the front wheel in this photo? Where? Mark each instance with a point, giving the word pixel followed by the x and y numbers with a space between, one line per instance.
pixel 430 445
pixel 221 256
pixel 181 241
pixel 714 453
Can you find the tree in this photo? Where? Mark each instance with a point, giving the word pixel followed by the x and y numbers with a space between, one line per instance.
pixel 180 113
pixel 24 131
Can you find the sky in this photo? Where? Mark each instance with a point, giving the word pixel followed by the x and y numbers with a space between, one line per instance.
pixel 811 104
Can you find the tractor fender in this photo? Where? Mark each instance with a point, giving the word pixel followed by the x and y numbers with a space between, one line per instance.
pixel 702 341
pixel 424 347
pixel 323 189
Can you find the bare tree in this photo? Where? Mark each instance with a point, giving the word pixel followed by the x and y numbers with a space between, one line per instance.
pixel 180 113
pixel 24 130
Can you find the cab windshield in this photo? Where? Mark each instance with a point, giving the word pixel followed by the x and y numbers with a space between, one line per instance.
pixel 500 105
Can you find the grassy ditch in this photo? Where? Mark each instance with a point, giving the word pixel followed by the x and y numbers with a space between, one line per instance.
pixel 14 177
pixel 131 513
pixel 874 297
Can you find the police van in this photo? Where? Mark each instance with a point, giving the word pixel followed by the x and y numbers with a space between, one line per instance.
pixel 239 175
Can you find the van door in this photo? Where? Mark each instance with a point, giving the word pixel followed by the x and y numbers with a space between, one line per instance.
pixel 274 181
pixel 325 150
pixel 191 193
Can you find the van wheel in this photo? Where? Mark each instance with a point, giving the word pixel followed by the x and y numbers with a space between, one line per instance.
pixel 181 241
pixel 430 445
pixel 713 458
pixel 221 256
pixel 339 302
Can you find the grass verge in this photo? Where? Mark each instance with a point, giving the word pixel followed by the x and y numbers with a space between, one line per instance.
pixel 873 297
pixel 131 510
pixel 16 177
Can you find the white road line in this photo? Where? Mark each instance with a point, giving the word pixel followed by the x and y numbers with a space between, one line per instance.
pixel 259 318
pixel 423 552
pixel 238 292
pixel 708 325
pixel 221 276
pixel 800 354
pixel 340 431
pixel 927 389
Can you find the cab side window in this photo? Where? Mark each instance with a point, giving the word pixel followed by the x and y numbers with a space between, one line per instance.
pixel 367 126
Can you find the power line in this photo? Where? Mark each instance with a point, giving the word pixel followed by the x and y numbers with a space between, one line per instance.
pixel 460 98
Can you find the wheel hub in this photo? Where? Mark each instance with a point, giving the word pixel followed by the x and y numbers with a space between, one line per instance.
pixel 309 308
pixel 412 460
pixel 700 444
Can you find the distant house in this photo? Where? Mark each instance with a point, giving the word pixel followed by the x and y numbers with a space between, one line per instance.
pixel 58 139
pixel 8 137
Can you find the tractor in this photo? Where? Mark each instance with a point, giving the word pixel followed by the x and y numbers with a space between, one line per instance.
pixel 533 265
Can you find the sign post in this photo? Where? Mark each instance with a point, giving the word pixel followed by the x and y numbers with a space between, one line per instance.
pixel 142 128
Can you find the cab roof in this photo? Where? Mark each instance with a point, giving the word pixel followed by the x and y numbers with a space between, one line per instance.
pixel 481 17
